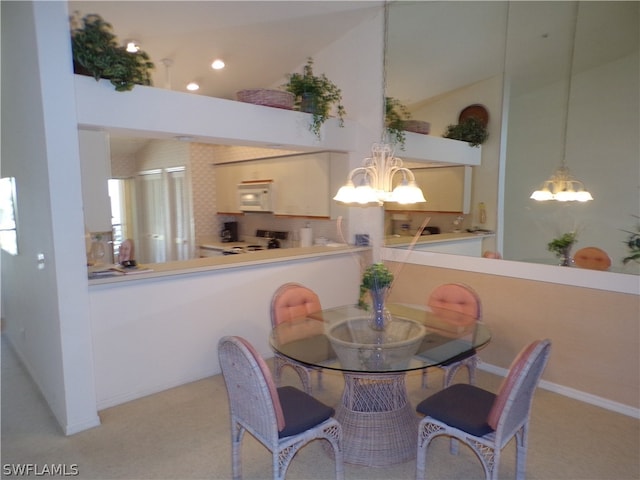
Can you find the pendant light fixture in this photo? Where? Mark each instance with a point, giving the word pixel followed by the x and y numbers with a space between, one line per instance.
pixel 561 186
pixel 375 176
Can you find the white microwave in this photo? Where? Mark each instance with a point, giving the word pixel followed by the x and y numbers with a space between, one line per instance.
pixel 255 196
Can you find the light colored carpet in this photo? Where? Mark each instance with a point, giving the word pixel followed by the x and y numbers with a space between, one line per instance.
pixel 183 433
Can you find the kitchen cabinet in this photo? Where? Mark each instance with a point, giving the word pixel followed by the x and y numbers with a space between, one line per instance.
pixel 95 167
pixel 228 176
pixel 303 184
pixel 447 189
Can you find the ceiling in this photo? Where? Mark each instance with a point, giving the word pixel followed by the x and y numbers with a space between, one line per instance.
pixel 434 47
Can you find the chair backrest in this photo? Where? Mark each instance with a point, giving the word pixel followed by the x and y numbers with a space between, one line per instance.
pixel 456 297
pixel 593 258
pixel 292 301
pixel 512 406
pixel 253 396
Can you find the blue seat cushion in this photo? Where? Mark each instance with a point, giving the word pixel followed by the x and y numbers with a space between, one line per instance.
pixel 301 411
pixel 462 406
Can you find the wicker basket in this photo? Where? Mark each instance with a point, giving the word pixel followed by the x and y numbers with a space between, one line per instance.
pixel 417 126
pixel 268 98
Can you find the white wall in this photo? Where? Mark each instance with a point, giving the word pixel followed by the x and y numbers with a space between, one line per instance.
pixel 46 310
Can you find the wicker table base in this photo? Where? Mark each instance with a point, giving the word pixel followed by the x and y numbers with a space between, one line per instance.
pixel 379 426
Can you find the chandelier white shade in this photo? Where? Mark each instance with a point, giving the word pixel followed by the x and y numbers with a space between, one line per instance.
pixel 562 187
pixel 375 181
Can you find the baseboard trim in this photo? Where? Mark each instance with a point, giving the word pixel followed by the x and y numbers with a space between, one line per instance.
pixel 572 393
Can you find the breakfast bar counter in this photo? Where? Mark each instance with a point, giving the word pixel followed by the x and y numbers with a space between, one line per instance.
pixel 222 262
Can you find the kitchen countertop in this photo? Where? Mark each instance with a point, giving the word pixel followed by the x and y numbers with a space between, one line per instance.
pixel 406 240
pixel 222 262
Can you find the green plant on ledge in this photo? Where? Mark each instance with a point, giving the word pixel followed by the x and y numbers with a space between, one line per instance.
pixel 470 130
pixel 315 95
pixel 633 243
pixel 561 247
pixel 97 53
pixel 376 276
pixel 396 115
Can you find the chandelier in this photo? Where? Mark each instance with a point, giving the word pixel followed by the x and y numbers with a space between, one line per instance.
pixel 375 181
pixel 561 186
pixel 375 176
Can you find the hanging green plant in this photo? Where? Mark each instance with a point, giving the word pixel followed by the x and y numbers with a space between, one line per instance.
pixel 97 53
pixel 470 130
pixel 316 95
pixel 396 116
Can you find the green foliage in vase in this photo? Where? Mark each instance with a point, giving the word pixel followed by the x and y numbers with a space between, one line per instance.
pixel 97 53
pixel 396 115
pixel 319 91
pixel 376 276
pixel 470 130
pixel 559 245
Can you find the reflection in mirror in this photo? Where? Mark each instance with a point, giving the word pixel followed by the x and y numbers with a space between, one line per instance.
pixel 532 50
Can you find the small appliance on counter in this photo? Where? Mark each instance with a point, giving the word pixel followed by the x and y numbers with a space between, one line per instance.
pixel 230 232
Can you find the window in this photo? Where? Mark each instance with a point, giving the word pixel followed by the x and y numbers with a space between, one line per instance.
pixel 8 230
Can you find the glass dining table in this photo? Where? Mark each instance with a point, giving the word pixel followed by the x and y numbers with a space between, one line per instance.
pixel 379 424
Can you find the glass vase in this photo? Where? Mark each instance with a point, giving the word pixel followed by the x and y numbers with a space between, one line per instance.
pixel 380 316
pixel 566 260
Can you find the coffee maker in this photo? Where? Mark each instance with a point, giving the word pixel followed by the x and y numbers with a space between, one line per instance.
pixel 230 232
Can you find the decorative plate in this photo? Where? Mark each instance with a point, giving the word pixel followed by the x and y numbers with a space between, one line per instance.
pixel 475 111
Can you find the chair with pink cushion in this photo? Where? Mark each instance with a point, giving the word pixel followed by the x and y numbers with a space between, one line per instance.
pixel 484 421
pixel 593 258
pixel 282 419
pixel 462 299
pixel 293 301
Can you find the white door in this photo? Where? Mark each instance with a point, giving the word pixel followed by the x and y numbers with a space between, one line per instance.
pixel 151 246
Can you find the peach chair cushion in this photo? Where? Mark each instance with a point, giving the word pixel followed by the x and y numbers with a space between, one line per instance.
pixel 457 298
pixel 273 391
pixel 593 258
pixel 292 301
pixel 508 383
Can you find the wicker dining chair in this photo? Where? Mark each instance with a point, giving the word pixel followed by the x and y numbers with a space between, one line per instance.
pixel 460 298
pixel 292 301
pixel 282 419
pixel 593 258
pixel 484 421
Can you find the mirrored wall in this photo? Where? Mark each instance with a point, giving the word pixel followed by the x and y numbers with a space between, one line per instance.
pixel 565 94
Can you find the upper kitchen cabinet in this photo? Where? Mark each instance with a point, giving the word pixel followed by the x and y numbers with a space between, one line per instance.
pixel 95 166
pixel 447 189
pixel 303 184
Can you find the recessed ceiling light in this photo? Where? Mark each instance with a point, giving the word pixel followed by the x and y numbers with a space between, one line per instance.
pixel 133 46
pixel 193 86
pixel 217 64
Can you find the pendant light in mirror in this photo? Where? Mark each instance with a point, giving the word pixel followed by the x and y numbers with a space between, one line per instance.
pixel 561 186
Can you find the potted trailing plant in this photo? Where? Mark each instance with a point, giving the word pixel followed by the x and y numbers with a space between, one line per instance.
pixel 97 53
pixel 316 95
pixel 396 115
pixel 471 130
pixel 561 247
pixel 376 280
